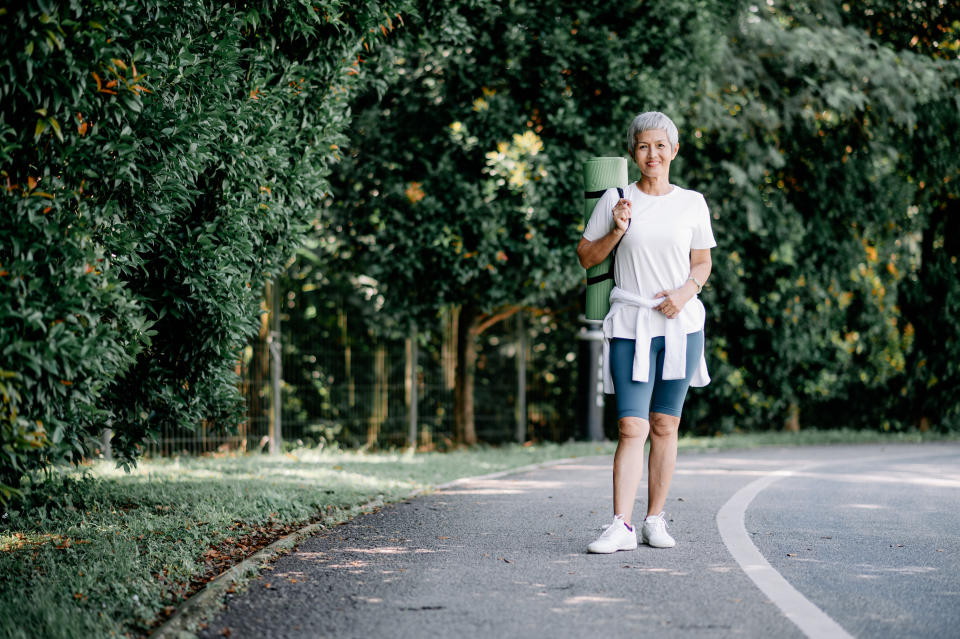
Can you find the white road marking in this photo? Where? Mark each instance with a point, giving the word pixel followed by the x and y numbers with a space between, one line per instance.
pixel 811 620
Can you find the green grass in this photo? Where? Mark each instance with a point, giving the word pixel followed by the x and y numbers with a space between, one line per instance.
pixel 102 553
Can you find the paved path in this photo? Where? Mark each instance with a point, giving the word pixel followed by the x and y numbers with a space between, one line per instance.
pixel 866 536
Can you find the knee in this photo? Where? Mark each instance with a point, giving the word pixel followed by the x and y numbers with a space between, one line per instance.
pixel 633 427
pixel 664 425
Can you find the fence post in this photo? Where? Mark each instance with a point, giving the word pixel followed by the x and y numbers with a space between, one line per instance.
pixel 380 399
pixel 105 438
pixel 590 380
pixel 275 371
pixel 521 405
pixel 411 383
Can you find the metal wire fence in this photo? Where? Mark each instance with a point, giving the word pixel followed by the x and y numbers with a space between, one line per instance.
pixel 345 385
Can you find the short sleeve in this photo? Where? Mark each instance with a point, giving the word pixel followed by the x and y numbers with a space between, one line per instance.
pixel 601 220
pixel 702 230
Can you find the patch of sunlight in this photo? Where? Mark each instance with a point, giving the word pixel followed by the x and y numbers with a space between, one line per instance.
pixel 504 486
pixel 480 491
pixel 735 462
pixel 721 569
pixel 314 455
pixel 350 564
pixel 250 472
pixel 722 471
pixel 386 550
pixel 18 540
pixel 591 599
pixel 892 478
pixel 865 506
pixel 588 467
pixel 653 569
pixel 902 570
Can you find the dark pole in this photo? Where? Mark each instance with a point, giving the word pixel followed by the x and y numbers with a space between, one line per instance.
pixel 276 374
pixel 521 405
pixel 590 380
pixel 412 356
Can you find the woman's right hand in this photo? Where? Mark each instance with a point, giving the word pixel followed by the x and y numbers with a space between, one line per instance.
pixel 621 215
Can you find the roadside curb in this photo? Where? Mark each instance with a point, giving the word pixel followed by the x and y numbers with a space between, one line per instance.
pixel 202 605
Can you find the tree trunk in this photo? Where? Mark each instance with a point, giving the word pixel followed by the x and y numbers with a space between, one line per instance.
pixel 448 348
pixel 792 423
pixel 470 324
pixel 465 427
pixel 378 411
pixel 257 373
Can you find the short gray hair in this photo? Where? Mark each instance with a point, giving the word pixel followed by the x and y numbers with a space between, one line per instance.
pixel 647 121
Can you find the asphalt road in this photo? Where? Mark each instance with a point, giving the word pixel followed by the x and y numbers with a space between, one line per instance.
pixel 857 541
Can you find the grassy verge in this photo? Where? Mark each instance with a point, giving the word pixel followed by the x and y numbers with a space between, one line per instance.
pixel 102 553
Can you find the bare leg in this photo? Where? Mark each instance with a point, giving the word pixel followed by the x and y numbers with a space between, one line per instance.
pixel 628 465
pixel 663 460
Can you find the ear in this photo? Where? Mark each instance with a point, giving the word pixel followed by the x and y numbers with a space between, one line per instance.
pixel 675 150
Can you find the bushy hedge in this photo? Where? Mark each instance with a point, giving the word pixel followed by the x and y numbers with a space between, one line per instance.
pixel 809 144
pixel 822 133
pixel 159 160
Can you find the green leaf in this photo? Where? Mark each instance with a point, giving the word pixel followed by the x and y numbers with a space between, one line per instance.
pixel 56 128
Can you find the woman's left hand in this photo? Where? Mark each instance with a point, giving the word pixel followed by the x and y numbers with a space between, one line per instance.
pixel 673 303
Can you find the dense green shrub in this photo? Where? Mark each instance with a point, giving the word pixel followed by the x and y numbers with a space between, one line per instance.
pixel 160 160
pixel 816 164
pixel 476 207
pixel 820 133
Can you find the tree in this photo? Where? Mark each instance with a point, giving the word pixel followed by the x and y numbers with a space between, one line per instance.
pixel 805 146
pixel 160 160
pixel 461 185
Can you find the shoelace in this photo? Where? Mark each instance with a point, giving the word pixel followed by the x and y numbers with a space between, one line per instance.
pixel 658 523
pixel 606 528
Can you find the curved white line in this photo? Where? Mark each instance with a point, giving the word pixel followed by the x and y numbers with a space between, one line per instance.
pixel 812 621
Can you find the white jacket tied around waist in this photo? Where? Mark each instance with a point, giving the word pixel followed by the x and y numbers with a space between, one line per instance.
pixel 648 321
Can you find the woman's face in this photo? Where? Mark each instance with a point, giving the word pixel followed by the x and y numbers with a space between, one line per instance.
pixel 653 153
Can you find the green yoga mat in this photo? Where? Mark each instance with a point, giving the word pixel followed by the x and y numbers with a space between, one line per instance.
pixel 600 174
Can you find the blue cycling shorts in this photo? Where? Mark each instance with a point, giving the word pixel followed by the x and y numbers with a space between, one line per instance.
pixel 656 395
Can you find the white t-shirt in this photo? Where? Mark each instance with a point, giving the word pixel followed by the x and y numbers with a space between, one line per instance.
pixel 654 255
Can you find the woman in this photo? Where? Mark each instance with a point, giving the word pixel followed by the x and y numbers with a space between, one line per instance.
pixel 653 334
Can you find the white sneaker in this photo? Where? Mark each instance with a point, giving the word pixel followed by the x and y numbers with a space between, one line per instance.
pixel 616 537
pixel 654 532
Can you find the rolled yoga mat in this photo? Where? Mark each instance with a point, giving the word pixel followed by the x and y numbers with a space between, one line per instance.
pixel 600 174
